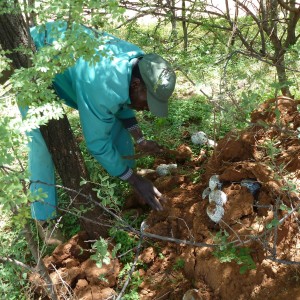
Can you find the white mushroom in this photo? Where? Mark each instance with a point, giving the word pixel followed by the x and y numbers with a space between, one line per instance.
pixel 215 212
pixel 191 294
pixel 217 196
pixel 172 166
pixel 199 138
pixel 211 143
pixel 144 226
pixel 206 192
pixel 164 169
pixel 213 182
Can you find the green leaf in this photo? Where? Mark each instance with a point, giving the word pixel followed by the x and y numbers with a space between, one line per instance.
pixel 83 182
pixel 273 223
pixel 243 269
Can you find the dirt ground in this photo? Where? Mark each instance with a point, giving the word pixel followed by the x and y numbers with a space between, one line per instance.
pixel 249 154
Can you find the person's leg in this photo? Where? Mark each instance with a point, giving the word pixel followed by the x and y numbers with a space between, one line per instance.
pixel 123 141
pixel 42 175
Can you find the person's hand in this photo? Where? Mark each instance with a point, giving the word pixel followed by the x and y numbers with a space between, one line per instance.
pixel 149 146
pixel 147 191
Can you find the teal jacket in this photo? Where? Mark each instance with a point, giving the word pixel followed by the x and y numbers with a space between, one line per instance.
pixel 100 92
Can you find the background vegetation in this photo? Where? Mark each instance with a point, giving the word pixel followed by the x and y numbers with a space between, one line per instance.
pixel 227 61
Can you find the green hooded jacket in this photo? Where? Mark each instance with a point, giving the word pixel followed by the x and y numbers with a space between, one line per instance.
pixel 100 91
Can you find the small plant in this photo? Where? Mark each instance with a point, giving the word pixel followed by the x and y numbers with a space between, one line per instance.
pixel 274 223
pixel 132 218
pixel 102 255
pixel 13 279
pixel 197 176
pixel 106 192
pixel 135 281
pixel 146 162
pixel 272 149
pixel 127 244
pixel 290 186
pixel 227 252
pixel 179 264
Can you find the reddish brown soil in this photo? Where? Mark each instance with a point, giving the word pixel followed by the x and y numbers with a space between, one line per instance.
pixel 239 155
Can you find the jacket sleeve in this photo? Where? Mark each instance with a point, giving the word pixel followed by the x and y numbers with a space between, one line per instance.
pixel 97 129
pixel 125 113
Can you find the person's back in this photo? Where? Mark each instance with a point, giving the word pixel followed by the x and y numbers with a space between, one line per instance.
pixel 107 80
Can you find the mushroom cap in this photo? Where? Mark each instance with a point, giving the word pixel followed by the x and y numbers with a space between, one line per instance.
pixel 214 182
pixel 162 170
pixel 217 196
pixel 199 138
pixel 206 192
pixel 215 213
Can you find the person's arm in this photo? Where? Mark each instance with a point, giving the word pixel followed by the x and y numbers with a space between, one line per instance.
pixel 97 126
pixel 143 144
pixel 97 129
pixel 142 186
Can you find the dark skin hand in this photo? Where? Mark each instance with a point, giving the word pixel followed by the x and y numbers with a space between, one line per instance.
pixel 147 191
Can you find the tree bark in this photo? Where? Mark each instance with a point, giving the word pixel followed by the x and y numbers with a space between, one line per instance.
pixel 184 26
pixel 58 135
pixel 282 77
pixel 171 6
pixel 13 34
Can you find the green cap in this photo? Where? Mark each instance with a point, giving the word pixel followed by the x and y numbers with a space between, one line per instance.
pixel 160 80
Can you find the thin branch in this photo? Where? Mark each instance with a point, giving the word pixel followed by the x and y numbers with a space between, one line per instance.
pixel 283 261
pixel 181 219
pixel 234 232
pixel 17 263
pixel 257 21
pixel 256 56
pixel 64 283
pixel 268 230
pixel 288 7
pixel 127 227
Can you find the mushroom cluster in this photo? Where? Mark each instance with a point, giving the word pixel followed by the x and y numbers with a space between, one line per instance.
pixel 217 198
pixel 164 169
pixel 200 138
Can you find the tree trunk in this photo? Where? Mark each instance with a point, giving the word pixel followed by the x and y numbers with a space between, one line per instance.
pixel 279 63
pixel 184 27
pixel 171 8
pixel 61 143
pixel 13 34
pixel 282 79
